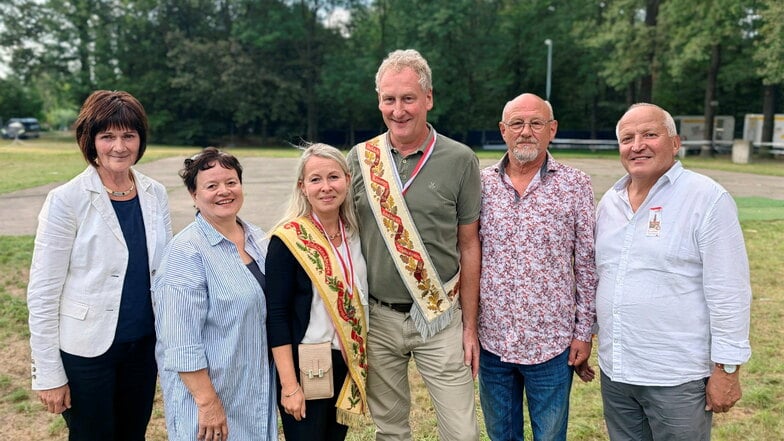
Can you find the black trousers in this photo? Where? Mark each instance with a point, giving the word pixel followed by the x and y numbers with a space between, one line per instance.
pixel 320 423
pixel 111 394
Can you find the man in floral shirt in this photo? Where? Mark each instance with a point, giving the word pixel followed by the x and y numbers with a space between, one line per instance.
pixel 538 280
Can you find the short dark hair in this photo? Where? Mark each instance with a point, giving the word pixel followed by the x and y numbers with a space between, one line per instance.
pixel 205 160
pixel 105 109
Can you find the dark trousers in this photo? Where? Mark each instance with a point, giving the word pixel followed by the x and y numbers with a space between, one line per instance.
pixel 320 423
pixel 111 394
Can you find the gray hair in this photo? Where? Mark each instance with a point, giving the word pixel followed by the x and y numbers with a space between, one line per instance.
pixel 400 59
pixel 298 202
pixel 669 122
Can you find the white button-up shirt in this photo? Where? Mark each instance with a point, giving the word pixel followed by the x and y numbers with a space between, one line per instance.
pixel 674 294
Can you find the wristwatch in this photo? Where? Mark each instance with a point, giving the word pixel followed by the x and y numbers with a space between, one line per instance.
pixel 728 368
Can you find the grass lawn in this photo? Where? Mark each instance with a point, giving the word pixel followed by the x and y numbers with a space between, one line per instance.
pixel 757 417
pixel 55 157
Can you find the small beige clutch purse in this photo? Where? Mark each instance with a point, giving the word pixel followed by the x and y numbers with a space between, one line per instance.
pixel 315 370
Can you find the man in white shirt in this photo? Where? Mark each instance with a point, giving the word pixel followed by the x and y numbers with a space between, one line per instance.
pixel 674 298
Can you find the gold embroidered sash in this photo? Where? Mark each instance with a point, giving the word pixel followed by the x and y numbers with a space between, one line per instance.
pixel 311 249
pixel 433 300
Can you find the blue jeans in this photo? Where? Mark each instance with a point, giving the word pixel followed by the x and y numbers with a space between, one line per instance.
pixel 546 385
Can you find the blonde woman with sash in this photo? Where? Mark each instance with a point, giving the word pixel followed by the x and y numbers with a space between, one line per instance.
pixel 316 294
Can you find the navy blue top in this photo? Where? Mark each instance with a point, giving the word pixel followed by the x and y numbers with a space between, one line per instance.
pixel 253 266
pixel 136 318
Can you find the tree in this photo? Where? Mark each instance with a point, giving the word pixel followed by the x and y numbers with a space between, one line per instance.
pixel 704 33
pixel 769 55
pixel 346 89
pixel 628 34
pixel 17 100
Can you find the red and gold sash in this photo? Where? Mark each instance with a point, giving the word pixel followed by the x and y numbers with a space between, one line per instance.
pixel 312 250
pixel 433 299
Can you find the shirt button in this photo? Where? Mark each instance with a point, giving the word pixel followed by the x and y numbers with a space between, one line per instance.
pixel 405 161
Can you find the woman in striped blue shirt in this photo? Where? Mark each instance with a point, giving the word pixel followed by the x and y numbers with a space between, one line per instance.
pixel 210 315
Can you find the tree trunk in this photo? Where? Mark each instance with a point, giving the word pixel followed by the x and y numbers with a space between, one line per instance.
pixel 710 100
pixel 630 97
pixel 768 112
pixel 647 81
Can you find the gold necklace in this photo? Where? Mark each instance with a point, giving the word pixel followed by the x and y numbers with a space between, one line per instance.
pixel 331 236
pixel 119 193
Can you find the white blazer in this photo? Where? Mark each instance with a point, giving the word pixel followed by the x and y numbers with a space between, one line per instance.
pixel 78 270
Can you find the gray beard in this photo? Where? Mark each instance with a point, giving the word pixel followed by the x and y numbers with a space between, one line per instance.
pixel 525 155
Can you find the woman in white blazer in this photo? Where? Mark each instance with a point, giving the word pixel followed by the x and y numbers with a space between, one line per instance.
pixel 99 240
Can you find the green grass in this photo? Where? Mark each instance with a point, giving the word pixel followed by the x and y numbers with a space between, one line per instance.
pixel 757 417
pixel 759 208
pixel 15 255
pixel 48 160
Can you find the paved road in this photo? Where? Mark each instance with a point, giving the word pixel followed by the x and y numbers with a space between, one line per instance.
pixel 268 181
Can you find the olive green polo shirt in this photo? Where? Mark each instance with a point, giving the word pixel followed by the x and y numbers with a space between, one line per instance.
pixel 446 193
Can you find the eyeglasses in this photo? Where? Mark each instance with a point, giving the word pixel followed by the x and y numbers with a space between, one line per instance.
pixel 518 126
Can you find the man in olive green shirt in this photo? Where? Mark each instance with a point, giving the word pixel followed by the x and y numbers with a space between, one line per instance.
pixel 442 193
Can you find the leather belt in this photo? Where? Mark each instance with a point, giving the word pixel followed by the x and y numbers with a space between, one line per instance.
pixel 404 308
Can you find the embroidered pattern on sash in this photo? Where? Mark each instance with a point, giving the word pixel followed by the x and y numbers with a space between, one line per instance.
pixel 305 241
pixel 433 299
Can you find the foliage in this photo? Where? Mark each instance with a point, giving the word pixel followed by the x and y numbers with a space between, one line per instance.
pixel 18 100
pixel 267 71
pixel 770 46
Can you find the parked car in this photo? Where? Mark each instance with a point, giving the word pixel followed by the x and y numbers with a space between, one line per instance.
pixel 32 129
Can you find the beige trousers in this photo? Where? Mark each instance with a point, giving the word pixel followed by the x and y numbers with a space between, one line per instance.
pixel 392 341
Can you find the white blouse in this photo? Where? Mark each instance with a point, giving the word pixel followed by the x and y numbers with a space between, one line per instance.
pixel 320 327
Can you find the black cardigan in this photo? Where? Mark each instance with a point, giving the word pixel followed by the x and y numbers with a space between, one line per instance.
pixel 289 296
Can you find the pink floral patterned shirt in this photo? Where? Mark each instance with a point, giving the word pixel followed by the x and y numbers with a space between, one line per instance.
pixel 538 280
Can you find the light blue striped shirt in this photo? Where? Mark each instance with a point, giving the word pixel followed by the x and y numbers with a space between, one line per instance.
pixel 210 312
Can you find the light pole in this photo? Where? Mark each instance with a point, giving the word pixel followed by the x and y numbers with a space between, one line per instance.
pixel 549 44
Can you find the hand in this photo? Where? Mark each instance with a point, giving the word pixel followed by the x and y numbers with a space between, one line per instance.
pixel 294 405
pixel 471 350
pixel 585 372
pixel 579 352
pixel 213 425
pixel 56 400
pixel 722 391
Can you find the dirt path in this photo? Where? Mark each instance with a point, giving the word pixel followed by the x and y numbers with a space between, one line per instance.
pixel 268 181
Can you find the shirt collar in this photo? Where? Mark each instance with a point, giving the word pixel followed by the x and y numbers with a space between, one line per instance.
pixel 419 149
pixel 214 236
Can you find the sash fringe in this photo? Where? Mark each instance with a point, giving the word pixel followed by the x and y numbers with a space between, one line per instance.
pixel 428 329
pixel 351 419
